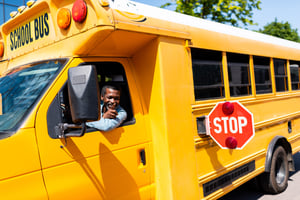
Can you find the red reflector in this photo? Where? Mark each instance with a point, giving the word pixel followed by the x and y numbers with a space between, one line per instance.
pixel 231 142
pixel 1 49
pixel 79 11
pixel 228 108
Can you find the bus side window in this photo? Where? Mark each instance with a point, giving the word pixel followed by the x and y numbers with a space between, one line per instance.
pixel 262 75
pixel 280 75
pixel 294 70
pixel 59 110
pixel 114 73
pixel 239 74
pixel 207 74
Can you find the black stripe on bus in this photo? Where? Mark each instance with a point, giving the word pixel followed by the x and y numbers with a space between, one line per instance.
pixel 228 178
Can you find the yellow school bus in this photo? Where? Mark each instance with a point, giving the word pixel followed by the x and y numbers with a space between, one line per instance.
pixel 173 70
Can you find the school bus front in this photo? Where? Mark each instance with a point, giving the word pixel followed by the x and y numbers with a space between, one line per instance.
pixel 42 159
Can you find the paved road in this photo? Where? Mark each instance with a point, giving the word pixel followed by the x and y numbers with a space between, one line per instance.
pixel 249 192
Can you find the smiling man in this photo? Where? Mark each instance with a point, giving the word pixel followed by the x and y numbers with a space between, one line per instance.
pixel 112 114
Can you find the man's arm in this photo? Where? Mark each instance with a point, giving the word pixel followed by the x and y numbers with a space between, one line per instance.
pixel 105 124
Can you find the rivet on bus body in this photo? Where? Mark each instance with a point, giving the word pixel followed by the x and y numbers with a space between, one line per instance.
pixel 228 108
pixel 231 142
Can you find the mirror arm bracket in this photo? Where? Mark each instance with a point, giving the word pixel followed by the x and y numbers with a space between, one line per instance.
pixel 61 128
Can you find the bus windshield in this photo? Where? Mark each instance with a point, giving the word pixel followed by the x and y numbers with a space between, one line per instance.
pixel 21 87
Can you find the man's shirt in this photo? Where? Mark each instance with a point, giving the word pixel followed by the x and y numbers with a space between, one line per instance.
pixel 105 124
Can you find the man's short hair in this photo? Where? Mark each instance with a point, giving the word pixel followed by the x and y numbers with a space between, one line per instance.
pixel 111 86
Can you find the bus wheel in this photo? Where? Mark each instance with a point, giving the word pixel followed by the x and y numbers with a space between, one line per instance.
pixel 276 180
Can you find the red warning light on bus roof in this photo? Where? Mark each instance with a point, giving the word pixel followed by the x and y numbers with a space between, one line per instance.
pixel 1 49
pixel 79 11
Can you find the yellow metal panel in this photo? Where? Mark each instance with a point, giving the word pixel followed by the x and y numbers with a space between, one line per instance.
pixel 149 85
pixel 21 154
pixel 176 89
pixel 110 175
pixel 20 169
pixel 26 186
pixel 165 85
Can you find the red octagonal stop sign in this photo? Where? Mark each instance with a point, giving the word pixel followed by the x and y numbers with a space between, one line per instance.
pixel 231 125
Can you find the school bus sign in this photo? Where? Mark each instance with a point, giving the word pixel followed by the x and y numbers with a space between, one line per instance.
pixel 231 125
pixel 30 32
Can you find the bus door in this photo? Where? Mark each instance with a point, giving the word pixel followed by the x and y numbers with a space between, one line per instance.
pixel 98 165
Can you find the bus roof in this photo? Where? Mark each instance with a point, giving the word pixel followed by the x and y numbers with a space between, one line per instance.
pixel 195 22
pixel 36 27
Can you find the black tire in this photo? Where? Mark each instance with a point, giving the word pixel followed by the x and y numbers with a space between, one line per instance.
pixel 276 181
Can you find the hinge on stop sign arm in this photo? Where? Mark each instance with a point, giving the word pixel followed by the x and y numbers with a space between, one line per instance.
pixel 202 125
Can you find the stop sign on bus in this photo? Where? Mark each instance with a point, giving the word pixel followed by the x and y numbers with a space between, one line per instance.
pixel 231 125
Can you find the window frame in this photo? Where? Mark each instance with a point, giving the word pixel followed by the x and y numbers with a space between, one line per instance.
pixel 55 113
pixel 237 63
pixel 278 77
pixel 292 62
pixel 197 54
pixel 260 60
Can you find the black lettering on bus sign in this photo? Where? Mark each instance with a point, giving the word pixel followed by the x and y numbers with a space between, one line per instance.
pixel 30 32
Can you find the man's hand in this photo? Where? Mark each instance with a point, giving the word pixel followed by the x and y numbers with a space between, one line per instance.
pixel 110 114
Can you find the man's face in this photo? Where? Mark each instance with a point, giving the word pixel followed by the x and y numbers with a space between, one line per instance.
pixel 111 99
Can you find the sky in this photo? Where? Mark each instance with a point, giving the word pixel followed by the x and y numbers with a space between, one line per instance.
pixel 283 10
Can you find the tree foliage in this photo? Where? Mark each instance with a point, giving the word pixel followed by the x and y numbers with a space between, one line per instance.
pixel 224 11
pixel 281 30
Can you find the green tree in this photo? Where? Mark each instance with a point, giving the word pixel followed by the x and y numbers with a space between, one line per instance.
pixel 224 11
pixel 281 30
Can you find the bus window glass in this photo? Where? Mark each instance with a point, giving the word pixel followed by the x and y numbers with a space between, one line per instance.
pixel 21 87
pixel 262 75
pixel 207 74
pixel 239 75
pixel 294 69
pixel 280 75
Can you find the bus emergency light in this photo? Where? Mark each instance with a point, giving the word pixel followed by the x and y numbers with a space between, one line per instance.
pixel 30 3
pixel 228 108
pixel 79 11
pixel 104 3
pixel 13 14
pixel 21 9
pixel 64 18
pixel 1 49
pixel 231 142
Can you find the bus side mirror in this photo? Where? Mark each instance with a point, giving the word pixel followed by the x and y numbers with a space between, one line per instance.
pixel 84 94
pixel 84 100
